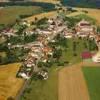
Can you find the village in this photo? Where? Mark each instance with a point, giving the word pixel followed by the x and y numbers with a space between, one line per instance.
pixel 39 50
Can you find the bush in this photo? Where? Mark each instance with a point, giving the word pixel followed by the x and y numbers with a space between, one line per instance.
pixel 60 64
pixel 28 90
pixel 10 98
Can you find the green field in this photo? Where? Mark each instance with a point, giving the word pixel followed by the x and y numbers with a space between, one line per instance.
pixel 81 46
pixel 92 76
pixel 8 15
pixel 43 89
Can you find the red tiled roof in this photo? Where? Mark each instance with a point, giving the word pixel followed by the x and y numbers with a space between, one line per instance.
pixel 86 55
pixel 85 24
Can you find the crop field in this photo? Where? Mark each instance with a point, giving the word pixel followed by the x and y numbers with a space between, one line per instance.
pixel 42 15
pixel 9 84
pixel 47 1
pixel 94 13
pixel 92 76
pixel 9 15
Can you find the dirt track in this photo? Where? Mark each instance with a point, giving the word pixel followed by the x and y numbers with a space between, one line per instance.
pixel 72 85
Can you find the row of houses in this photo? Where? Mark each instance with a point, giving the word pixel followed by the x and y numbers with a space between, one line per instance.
pixel 82 29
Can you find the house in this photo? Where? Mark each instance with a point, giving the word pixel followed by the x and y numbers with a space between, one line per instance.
pixel 23 75
pixel 97 40
pixel 96 57
pixel 43 74
pixel 47 51
pixel 84 28
pixel 35 44
pixel 24 22
pixel 67 34
pixel 50 21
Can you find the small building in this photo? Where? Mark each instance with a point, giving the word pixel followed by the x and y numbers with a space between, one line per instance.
pixel 43 74
pixel 96 57
pixel 84 29
pixel 97 40
pixel 67 34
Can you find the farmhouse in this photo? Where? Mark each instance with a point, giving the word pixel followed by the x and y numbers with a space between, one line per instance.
pixel 84 28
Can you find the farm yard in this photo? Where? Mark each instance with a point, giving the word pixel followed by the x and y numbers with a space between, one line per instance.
pixel 9 84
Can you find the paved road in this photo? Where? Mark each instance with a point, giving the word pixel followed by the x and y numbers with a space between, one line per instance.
pixel 18 96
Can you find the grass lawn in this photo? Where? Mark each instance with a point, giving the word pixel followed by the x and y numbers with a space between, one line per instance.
pixel 9 84
pixel 8 15
pixel 43 89
pixel 92 76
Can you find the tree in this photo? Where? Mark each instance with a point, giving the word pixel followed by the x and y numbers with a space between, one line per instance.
pixel 0 59
pixel 57 53
pixel 85 45
pixel 74 46
pixel 98 29
pixel 36 19
pixel 10 98
pixel 40 64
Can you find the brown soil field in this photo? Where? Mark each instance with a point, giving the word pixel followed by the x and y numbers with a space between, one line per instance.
pixel 72 84
pixel 9 84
